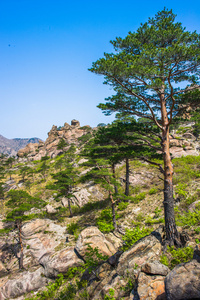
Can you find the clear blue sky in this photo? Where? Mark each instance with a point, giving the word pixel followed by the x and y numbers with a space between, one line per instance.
pixel 46 48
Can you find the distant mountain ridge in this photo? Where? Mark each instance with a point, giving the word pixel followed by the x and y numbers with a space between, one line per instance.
pixel 12 146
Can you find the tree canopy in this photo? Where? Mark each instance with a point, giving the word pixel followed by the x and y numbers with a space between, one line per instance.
pixel 149 71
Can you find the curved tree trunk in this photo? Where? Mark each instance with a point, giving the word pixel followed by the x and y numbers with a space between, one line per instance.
pixel 127 177
pixel 172 235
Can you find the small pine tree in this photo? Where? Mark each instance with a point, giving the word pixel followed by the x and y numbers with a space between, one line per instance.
pixel 21 202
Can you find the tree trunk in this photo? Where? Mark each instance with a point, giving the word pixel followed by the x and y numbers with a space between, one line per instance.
pixel 172 235
pixel 113 210
pixel 70 209
pixel 113 171
pixel 127 178
pixel 21 247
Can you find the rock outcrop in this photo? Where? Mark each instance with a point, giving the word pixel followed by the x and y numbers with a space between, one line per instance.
pixel 183 282
pixel 132 275
pixel 70 133
pixel 25 283
pixel 95 238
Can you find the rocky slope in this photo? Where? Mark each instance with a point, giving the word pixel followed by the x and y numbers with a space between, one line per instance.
pixel 57 244
pixel 12 146
pixel 73 134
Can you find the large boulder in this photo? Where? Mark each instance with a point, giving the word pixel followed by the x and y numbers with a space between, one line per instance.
pixel 59 262
pixel 95 238
pixel 151 287
pixel 183 282
pixel 155 268
pixel 25 283
pixel 145 250
pixel 42 236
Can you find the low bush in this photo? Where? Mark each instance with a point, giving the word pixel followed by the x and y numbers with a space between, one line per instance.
pixel 138 198
pixel 177 256
pixel 133 235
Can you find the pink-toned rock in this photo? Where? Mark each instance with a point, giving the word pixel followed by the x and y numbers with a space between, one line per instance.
pixel 151 287
pixel 95 238
pixel 59 262
pixel 42 236
pixel 25 283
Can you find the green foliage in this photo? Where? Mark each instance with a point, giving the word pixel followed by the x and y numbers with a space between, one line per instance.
pixel 104 221
pixel 93 257
pixel 96 205
pixel 133 235
pixel 157 212
pixel 52 290
pixel 177 256
pixel 180 190
pixel 85 138
pixel 138 198
pixel 21 202
pixel 73 228
pixel 188 219
pixel 122 205
pixel 153 191
pixel 110 296
pixel 186 169
pixel 150 221
pixel 62 144
pixel 140 217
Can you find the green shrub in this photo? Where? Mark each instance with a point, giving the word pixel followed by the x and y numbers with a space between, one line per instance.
pixel 150 221
pixel 122 205
pixel 138 197
pixel 104 221
pixel 177 256
pixel 133 235
pixel 73 228
pixel 181 190
pixel 110 296
pixel 153 191
pixel 136 189
pixel 188 218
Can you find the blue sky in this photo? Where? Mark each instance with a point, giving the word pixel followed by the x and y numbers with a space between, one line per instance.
pixel 46 48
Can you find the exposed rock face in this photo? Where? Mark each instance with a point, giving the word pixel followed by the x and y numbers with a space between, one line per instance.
pixel 59 262
pixel 95 238
pixel 183 145
pixel 155 268
pixel 42 236
pixel 27 282
pixel 50 209
pixel 151 287
pixel 183 282
pixel 149 246
pixel 70 133
pixel 129 269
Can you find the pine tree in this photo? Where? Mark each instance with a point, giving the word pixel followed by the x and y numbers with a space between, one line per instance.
pixel 148 71
pixel 20 203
